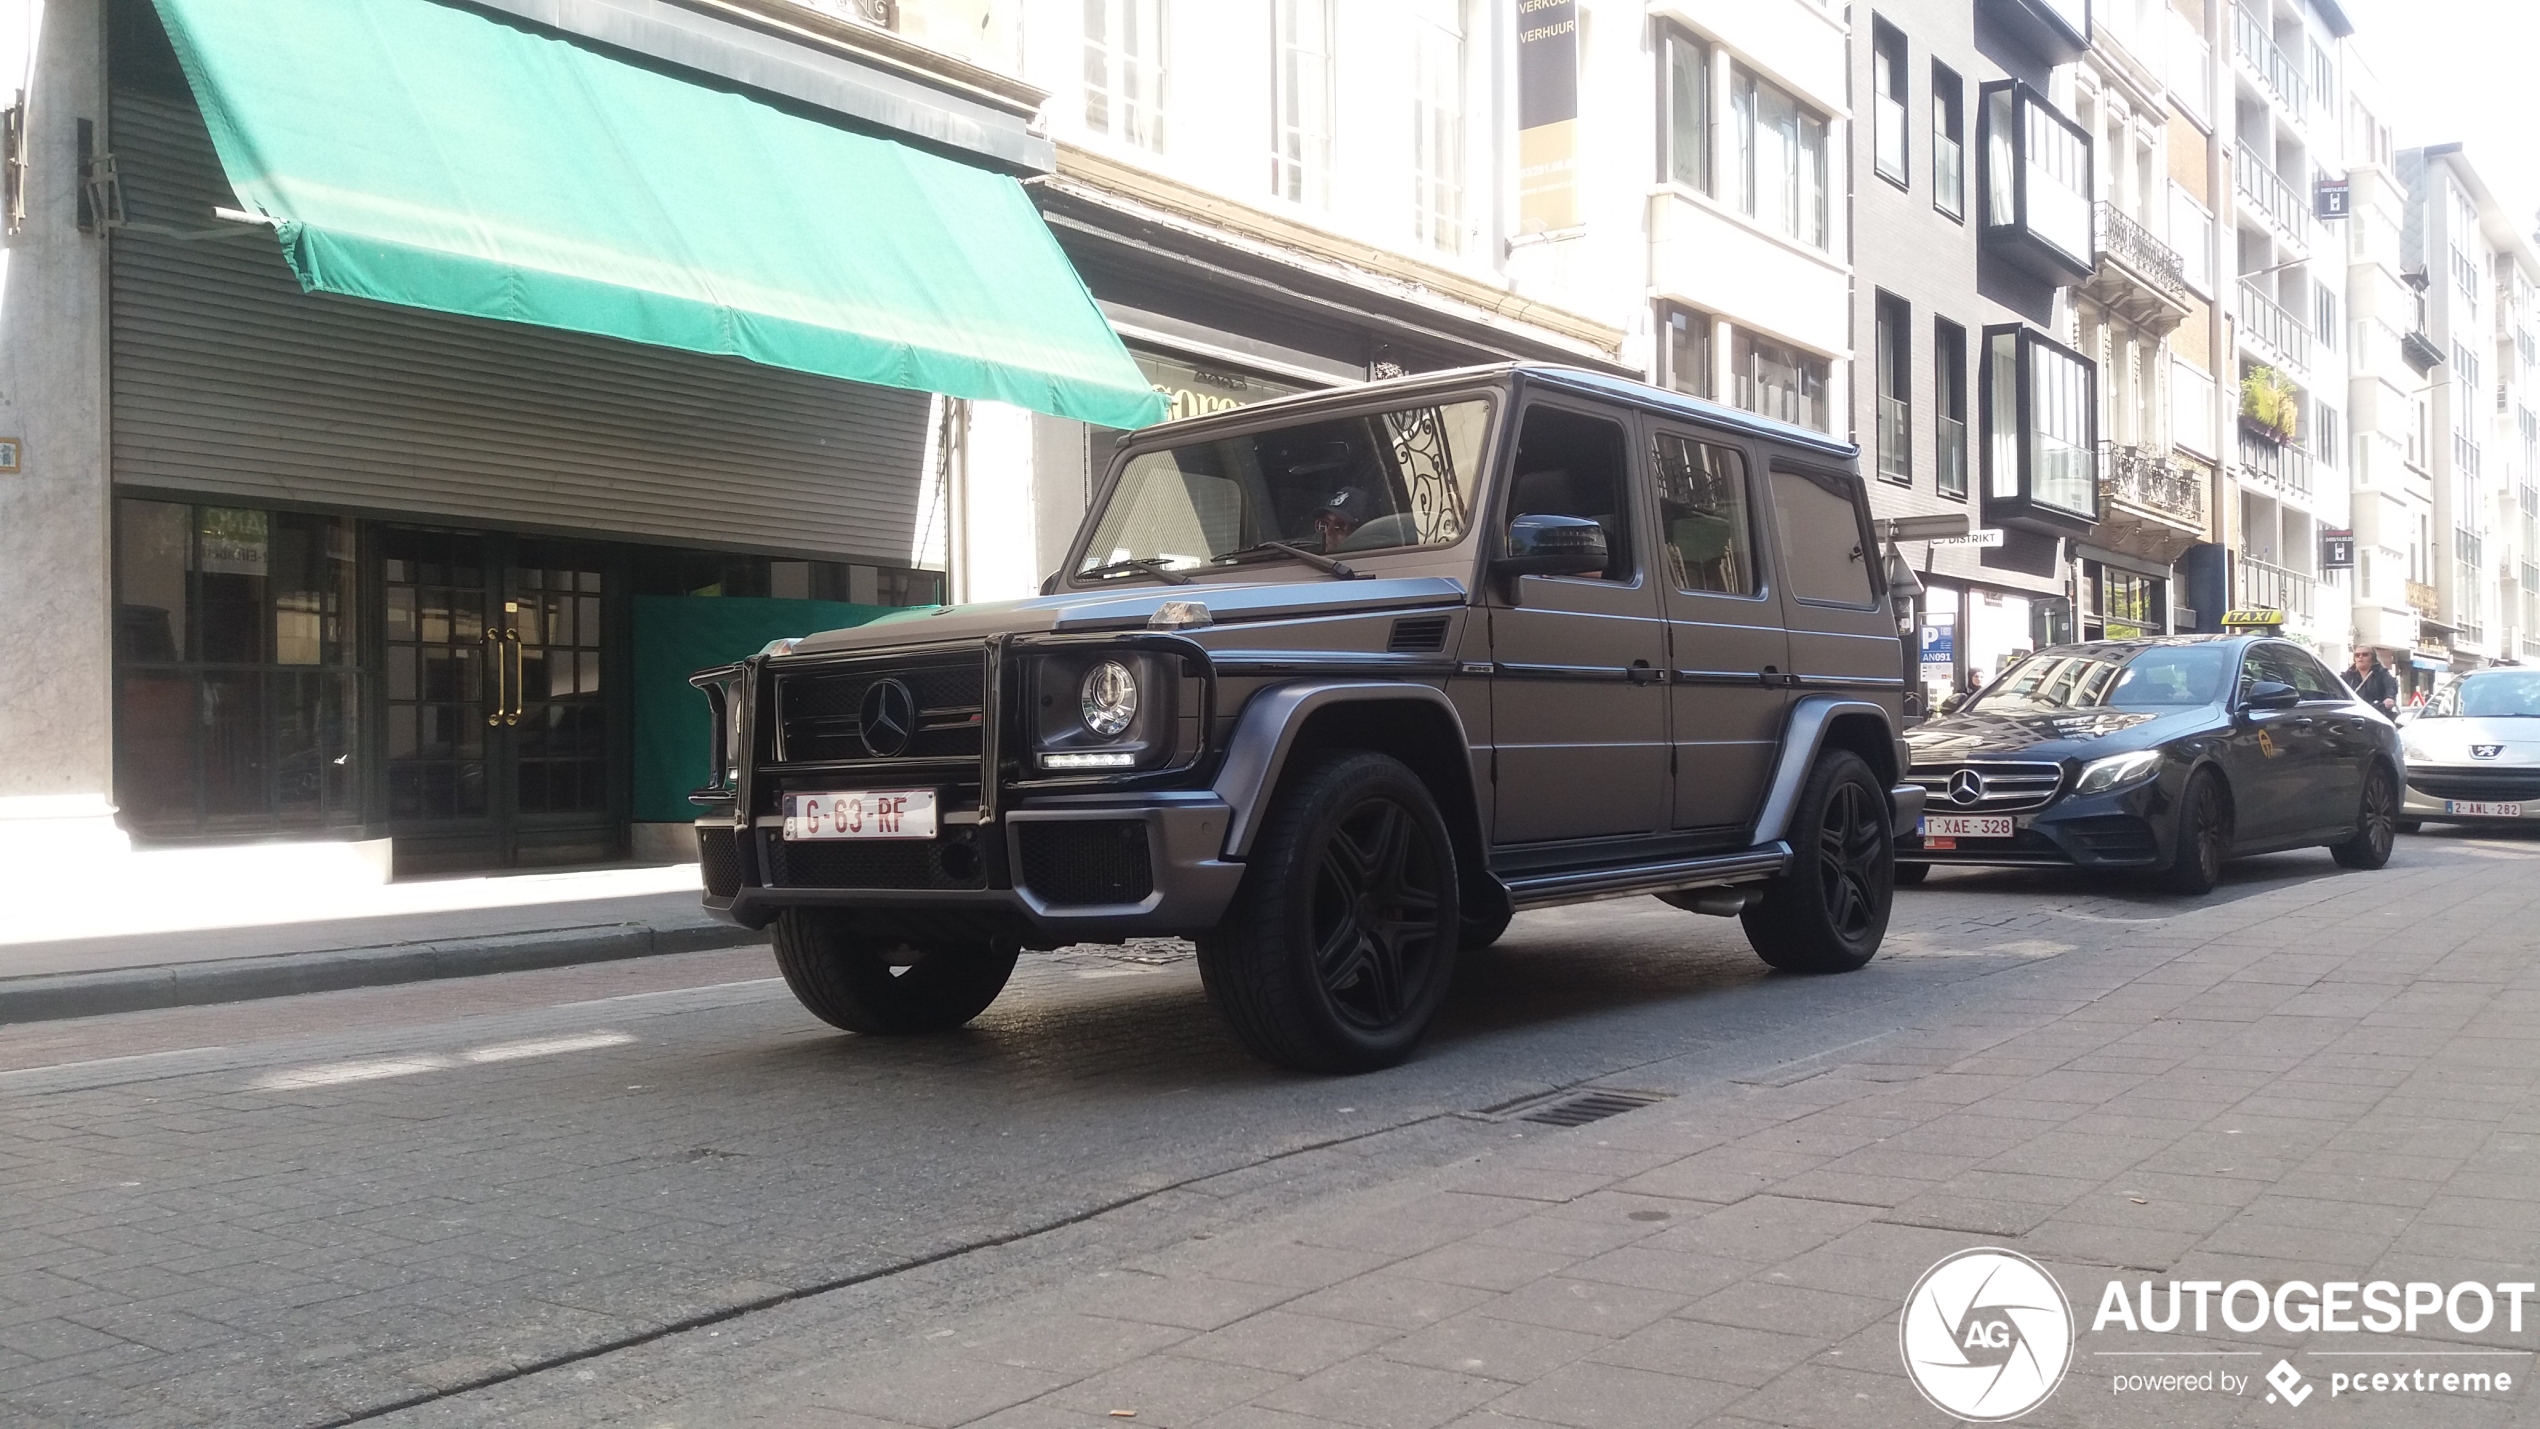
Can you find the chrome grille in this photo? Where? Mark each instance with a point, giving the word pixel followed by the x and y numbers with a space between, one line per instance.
pixel 1999 787
pixel 820 711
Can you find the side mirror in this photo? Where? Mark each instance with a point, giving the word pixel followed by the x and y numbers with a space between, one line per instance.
pixel 2271 695
pixel 1553 546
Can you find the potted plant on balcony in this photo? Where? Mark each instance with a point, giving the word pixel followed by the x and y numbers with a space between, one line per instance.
pixel 2269 405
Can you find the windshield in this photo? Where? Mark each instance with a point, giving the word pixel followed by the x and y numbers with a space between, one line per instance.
pixel 2155 677
pixel 1370 482
pixel 2504 695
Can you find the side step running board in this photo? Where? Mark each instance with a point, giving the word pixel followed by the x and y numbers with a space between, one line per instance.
pixel 1550 890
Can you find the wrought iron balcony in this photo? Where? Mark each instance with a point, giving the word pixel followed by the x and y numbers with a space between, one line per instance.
pixel 2137 274
pixel 2149 480
pixel 2274 587
pixel 2276 72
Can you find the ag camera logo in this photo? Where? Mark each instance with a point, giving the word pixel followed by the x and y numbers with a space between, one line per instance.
pixel 1987 1335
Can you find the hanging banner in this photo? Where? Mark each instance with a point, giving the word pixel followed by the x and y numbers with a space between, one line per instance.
pixel 1547 115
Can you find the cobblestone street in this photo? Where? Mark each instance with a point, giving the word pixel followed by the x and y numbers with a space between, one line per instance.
pixel 657 1193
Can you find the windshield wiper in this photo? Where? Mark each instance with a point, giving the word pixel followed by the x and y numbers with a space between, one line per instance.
pixel 1316 559
pixel 1142 565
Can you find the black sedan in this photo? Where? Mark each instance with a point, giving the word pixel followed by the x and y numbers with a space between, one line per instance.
pixel 2165 755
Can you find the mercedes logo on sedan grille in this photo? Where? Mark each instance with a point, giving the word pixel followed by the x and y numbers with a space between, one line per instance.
pixel 890 719
pixel 1966 787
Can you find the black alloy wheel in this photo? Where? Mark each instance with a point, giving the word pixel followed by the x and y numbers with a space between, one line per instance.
pixel 1339 946
pixel 2203 840
pixel 1829 912
pixel 883 987
pixel 2376 824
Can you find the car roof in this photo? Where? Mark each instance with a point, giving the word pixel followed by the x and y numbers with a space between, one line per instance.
pixel 1575 380
pixel 2149 642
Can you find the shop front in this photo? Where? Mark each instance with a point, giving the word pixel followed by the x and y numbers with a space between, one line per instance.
pixel 418 530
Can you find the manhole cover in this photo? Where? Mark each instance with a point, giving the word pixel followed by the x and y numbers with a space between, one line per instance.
pixel 1577 1107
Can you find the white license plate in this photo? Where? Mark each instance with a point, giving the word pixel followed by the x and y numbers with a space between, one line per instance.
pixel 1967 826
pixel 2482 811
pixel 861 814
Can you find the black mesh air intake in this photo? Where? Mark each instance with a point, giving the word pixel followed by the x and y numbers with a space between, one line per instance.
pixel 1088 862
pixel 719 859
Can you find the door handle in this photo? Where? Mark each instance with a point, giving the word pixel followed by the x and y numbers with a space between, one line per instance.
pixel 511 716
pixel 1641 674
pixel 494 640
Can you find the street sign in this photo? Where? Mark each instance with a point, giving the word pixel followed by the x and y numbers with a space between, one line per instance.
pixel 1987 536
pixel 2254 617
pixel 2330 199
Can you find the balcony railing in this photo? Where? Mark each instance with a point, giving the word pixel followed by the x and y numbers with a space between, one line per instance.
pixel 2285 465
pixel 1950 457
pixel 1896 441
pixel 2130 243
pixel 2281 76
pixel 2274 587
pixel 2267 189
pixel 2148 479
pixel 2274 327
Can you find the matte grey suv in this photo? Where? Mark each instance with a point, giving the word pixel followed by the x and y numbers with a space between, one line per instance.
pixel 1334 685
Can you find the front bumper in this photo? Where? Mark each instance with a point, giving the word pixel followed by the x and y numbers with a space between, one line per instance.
pixel 1073 868
pixel 2432 790
pixel 2124 829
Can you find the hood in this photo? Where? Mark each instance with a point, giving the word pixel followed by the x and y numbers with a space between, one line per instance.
pixel 2456 740
pixel 1132 607
pixel 2074 734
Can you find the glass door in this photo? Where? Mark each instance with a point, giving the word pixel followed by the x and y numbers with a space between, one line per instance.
pixel 497 709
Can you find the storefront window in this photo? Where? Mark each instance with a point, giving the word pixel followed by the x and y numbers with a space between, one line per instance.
pixel 238 692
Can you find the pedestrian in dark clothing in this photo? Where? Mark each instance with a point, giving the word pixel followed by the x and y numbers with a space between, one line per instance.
pixel 2372 683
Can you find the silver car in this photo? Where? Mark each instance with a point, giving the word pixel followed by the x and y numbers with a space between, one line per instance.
pixel 2474 754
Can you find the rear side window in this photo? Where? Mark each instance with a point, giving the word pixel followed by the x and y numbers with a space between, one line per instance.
pixel 2312 678
pixel 1823 558
pixel 1703 516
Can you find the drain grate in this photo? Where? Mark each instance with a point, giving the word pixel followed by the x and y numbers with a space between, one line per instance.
pixel 1594 1105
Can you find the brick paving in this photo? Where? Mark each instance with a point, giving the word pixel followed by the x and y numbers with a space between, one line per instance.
pixel 2339 1079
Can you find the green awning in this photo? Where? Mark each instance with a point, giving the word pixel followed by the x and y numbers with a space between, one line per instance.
pixel 413 152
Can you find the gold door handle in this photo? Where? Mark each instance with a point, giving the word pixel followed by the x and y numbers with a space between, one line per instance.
pixel 495 715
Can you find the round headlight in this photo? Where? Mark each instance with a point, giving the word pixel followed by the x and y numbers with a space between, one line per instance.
pixel 1110 698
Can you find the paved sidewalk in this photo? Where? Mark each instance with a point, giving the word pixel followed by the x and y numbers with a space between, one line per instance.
pixel 2337 1080
pixel 161 951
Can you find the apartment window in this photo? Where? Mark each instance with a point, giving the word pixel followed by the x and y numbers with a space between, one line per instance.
pixel 1887 84
pixel 2041 438
pixel 2036 183
pixel 1124 70
pixel 1948 142
pixel 1949 441
pixel 2325 323
pixel 1686 139
pixel 1895 348
pixel 1781 159
pixel 2464 372
pixel 1685 362
pixel 2323 79
pixel 2325 440
pixel 1779 382
pixel 1437 118
pixel 2192 234
pixel 1301 101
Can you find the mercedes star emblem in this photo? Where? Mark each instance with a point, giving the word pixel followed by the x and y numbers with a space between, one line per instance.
pixel 890 719
pixel 1966 787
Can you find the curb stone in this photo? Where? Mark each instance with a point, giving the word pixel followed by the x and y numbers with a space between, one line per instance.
pixel 51 996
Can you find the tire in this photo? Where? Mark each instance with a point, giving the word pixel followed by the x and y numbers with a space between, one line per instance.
pixel 864 984
pixel 1829 912
pixel 1338 948
pixel 2203 841
pixel 1478 933
pixel 2376 824
pixel 1909 874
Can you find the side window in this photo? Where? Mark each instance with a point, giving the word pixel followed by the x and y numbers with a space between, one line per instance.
pixel 1571 464
pixel 2313 679
pixel 1703 518
pixel 2264 664
pixel 1823 558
